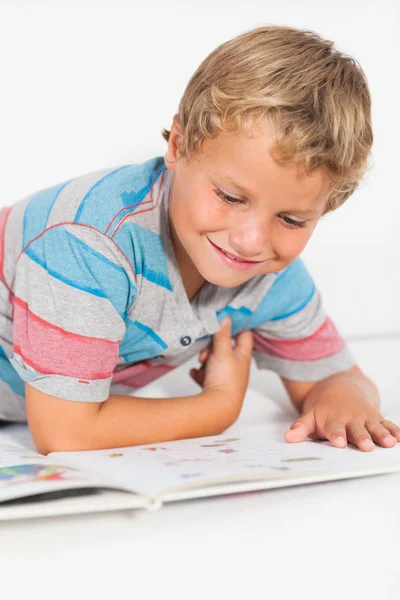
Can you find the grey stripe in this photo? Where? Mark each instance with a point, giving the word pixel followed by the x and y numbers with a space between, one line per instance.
pixel 12 406
pixel 33 281
pixel 313 370
pixel 13 238
pixel 104 246
pixel 300 325
pixel 67 388
pixel 71 196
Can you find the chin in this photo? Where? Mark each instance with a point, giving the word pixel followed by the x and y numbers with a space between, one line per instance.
pixel 225 281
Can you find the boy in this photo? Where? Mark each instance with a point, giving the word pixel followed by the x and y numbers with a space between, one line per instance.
pixel 116 277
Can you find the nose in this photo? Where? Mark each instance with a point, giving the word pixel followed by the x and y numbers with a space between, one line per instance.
pixel 249 238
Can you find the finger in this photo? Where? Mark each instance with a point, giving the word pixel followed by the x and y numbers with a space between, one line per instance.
pixel 394 429
pixel 244 344
pixel 380 434
pixel 335 432
pixel 204 355
pixel 301 428
pixel 359 436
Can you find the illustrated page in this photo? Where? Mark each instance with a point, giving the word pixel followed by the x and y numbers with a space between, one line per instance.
pixel 24 472
pixel 153 468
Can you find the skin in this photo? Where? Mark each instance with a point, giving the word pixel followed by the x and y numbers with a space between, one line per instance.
pixel 270 202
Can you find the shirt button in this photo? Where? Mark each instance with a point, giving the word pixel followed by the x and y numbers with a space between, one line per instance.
pixel 186 340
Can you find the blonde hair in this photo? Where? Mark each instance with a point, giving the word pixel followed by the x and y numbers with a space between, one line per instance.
pixel 316 98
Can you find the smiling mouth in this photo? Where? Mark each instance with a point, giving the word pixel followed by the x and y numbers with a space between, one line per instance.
pixel 234 257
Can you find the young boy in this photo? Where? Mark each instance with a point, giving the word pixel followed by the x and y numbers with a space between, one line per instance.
pixel 114 278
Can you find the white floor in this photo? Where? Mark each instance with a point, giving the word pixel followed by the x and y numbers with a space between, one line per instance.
pixel 329 540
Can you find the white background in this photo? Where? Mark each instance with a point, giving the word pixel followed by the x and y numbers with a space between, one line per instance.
pixel 87 85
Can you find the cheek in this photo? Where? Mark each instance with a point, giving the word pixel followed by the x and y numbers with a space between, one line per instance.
pixel 206 215
pixel 289 243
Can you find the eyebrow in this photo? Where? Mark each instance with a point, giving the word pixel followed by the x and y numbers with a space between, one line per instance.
pixel 305 213
pixel 232 181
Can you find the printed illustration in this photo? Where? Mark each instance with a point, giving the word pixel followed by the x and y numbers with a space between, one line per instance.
pixel 303 459
pixel 18 474
pixel 220 443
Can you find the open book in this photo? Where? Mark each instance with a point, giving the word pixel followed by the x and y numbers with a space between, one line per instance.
pixel 145 477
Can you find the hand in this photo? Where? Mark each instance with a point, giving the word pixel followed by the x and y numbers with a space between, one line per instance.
pixel 225 369
pixel 344 418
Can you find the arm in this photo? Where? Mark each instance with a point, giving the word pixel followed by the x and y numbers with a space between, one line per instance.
pixel 58 424
pixel 64 425
pixel 296 339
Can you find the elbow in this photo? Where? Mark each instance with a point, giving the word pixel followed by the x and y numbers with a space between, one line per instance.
pixel 67 437
pixel 59 443
pixel 59 425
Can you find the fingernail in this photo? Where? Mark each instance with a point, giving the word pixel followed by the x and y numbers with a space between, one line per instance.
pixel 340 439
pixel 369 443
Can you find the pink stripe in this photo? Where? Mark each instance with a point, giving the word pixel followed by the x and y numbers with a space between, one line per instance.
pixel 140 374
pixel 52 350
pixel 325 342
pixel 4 213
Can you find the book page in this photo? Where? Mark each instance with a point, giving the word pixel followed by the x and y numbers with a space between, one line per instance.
pixel 154 469
pixel 24 472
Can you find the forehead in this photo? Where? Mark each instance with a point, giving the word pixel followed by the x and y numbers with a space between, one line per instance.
pixel 244 162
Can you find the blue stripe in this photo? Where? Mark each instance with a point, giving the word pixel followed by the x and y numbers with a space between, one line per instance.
pixel 145 251
pixel 297 308
pixel 137 198
pixel 239 317
pixel 298 289
pixel 104 181
pixel 94 252
pixel 10 376
pixel 151 333
pixel 290 293
pixel 84 288
pixel 125 186
pixel 37 211
pixel 140 342
pixel 68 259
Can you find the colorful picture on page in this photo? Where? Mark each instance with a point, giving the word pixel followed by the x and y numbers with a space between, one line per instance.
pixel 18 474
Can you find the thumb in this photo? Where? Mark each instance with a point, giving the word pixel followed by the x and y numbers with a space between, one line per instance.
pixel 222 339
pixel 301 428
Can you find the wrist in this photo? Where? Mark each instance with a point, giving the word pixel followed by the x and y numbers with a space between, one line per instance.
pixel 340 385
pixel 225 406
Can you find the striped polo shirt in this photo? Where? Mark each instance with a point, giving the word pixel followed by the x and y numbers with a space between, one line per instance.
pixel 92 302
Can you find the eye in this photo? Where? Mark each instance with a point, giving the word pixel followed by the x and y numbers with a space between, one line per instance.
pixel 292 223
pixel 228 199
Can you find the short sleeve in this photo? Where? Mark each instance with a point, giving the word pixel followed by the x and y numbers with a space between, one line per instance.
pixel 73 287
pixel 293 335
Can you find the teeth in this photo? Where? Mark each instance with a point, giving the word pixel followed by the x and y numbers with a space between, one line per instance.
pixel 232 257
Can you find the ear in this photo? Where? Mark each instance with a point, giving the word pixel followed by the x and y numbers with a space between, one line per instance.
pixel 174 144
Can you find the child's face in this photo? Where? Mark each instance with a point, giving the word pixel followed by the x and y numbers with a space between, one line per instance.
pixel 269 223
